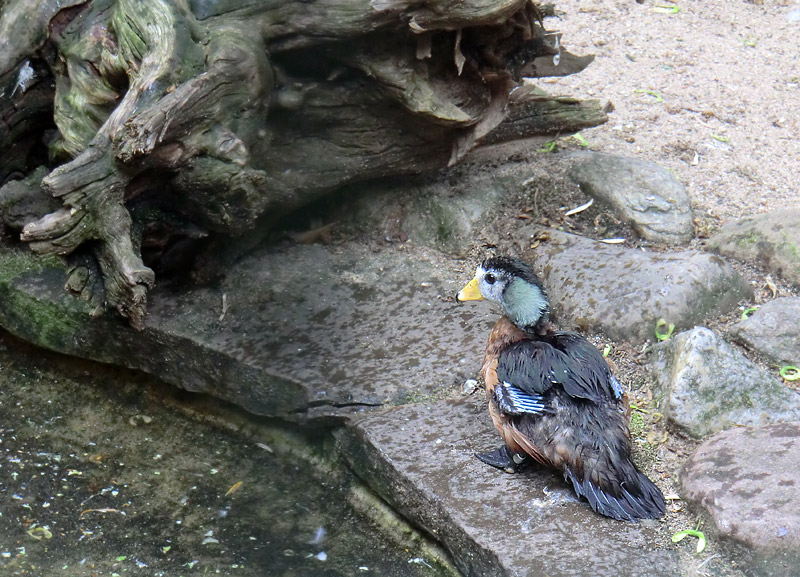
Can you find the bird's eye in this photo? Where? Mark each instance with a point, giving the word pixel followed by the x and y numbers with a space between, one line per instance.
pixel 489 278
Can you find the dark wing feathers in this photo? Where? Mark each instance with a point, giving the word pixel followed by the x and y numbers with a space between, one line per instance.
pixel 617 502
pixel 577 426
pixel 602 472
pixel 562 358
pixel 526 365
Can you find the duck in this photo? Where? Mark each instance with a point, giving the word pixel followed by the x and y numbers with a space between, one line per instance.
pixel 553 399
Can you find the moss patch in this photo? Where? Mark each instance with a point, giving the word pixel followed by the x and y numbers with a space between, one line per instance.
pixel 43 313
pixel 16 262
pixel 749 240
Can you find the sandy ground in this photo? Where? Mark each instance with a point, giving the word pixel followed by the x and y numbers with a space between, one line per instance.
pixel 711 92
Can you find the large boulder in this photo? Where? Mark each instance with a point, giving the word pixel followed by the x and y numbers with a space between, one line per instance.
pixel 706 386
pixel 770 240
pixel 439 213
pixel 624 292
pixel 772 331
pixel 746 480
pixel 641 193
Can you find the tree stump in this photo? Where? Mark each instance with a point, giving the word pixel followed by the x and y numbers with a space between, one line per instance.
pixel 233 113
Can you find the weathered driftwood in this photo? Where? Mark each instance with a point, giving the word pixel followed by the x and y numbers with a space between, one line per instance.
pixel 235 112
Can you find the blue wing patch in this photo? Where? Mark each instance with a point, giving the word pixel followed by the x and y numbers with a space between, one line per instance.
pixel 514 401
pixel 616 386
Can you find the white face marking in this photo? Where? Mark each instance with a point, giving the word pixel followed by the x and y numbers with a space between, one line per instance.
pixel 490 291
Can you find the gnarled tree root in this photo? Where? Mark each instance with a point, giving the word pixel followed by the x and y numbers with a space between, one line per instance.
pixel 94 211
pixel 234 113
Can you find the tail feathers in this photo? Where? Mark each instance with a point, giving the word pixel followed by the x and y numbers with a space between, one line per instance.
pixel 639 498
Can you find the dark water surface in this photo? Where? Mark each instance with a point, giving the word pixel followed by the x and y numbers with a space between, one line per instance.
pixel 102 473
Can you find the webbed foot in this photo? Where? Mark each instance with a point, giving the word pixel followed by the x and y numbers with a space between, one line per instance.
pixel 504 459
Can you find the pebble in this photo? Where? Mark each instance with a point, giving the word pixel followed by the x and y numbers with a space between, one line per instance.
pixel 469 387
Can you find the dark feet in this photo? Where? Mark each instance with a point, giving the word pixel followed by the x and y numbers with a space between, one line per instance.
pixel 504 459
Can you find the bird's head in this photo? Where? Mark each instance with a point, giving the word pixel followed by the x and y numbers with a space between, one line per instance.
pixel 512 284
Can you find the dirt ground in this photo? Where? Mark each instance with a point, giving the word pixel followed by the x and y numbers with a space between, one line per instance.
pixel 711 92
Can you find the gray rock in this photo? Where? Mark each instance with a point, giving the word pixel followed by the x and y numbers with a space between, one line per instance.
pixel 746 479
pixel 770 240
pixel 447 211
pixel 706 386
pixel 34 306
pixel 642 193
pixel 432 213
pixel 302 331
pixel 623 292
pixel 494 524
pixel 772 330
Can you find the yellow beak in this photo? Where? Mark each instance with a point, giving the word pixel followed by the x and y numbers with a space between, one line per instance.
pixel 471 292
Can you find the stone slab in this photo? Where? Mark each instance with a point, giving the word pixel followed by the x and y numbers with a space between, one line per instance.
pixel 307 330
pixel 35 307
pixel 493 524
pixel 747 481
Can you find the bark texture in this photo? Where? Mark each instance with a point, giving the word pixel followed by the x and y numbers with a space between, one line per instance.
pixel 232 113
